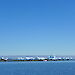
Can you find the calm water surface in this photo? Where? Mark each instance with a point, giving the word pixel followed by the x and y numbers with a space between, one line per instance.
pixel 38 68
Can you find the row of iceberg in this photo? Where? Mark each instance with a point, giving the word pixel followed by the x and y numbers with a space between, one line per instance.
pixel 37 58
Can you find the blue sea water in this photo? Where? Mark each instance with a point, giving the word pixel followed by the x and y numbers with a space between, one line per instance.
pixel 38 68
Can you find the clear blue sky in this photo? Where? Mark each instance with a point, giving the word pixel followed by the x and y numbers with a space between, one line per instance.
pixel 37 27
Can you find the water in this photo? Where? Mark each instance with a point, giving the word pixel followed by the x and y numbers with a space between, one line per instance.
pixel 38 68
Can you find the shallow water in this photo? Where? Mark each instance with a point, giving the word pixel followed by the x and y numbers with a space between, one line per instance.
pixel 38 68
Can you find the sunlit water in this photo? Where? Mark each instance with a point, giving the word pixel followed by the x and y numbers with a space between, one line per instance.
pixel 38 68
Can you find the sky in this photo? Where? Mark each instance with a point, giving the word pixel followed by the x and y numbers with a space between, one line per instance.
pixel 37 27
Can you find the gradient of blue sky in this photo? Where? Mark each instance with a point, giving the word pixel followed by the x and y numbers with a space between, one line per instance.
pixel 37 27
